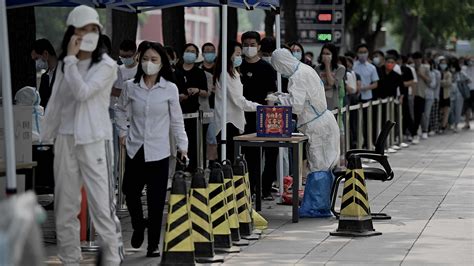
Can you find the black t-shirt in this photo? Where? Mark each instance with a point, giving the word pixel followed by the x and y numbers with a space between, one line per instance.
pixel 407 75
pixel 258 79
pixel 388 83
pixel 194 78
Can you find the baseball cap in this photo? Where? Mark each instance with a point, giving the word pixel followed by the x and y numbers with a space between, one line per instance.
pixel 83 15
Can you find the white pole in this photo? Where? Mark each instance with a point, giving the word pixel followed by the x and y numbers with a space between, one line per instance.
pixel 224 80
pixel 10 164
pixel 281 150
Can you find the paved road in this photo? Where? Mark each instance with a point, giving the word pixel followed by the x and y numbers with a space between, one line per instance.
pixel 431 201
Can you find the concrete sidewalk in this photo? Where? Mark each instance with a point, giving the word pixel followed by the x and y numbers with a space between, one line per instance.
pixel 431 201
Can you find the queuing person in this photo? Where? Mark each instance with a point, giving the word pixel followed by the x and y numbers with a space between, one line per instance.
pixel 469 103
pixel 429 98
pixel 369 79
pixel 408 81
pixel 331 74
pixel 434 116
pixel 424 80
pixel 297 51
pixel 155 112
pixel 195 86
pixel 236 102
pixel 207 103
pixel 45 59
pixel 267 46
pixel 455 96
pixel 259 79
pixel 352 84
pixel 389 82
pixel 378 59
pixel 308 58
pixel 77 118
pixel 445 92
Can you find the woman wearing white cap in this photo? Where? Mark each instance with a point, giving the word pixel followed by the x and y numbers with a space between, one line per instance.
pixel 308 101
pixel 78 118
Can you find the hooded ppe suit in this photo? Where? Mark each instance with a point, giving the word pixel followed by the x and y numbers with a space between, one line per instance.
pixel 308 101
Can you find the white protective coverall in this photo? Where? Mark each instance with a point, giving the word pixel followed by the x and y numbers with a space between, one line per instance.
pixel 307 99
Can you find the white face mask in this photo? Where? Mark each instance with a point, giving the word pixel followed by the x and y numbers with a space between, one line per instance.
pixel 376 60
pixel 150 68
pixel 41 64
pixel 250 51
pixel 89 42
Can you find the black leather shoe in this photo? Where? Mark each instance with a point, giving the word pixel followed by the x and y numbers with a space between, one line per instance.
pixel 137 237
pixel 153 253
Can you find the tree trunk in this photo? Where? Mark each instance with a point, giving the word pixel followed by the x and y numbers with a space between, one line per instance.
pixel 21 35
pixel 410 24
pixel 291 30
pixel 269 23
pixel 173 28
pixel 124 26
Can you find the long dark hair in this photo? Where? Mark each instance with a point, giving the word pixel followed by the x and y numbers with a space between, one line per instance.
pixel 231 44
pixel 165 70
pixel 333 49
pixel 301 47
pixel 96 54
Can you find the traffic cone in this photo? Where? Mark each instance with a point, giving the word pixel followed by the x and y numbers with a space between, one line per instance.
pixel 249 194
pixel 355 219
pixel 201 220
pixel 231 204
pixel 178 245
pixel 219 215
pixel 243 214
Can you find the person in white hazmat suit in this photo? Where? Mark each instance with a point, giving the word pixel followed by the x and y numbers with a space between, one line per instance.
pixel 307 98
pixel 78 119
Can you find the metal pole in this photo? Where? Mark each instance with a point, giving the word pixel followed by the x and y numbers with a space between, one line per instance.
pixel 379 116
pixel 224 80
pixel 200 150
pixel 342 136
pixel 120 197
pixel 281 151
pixel 392 117
pixel 359 127
pixel 387 117
pixel 90 245
pixel 369 126
pixel 10 157
pixel 400 122
pixel 347 127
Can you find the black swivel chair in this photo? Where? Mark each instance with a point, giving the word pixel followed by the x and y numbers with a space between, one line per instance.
pixel 370 173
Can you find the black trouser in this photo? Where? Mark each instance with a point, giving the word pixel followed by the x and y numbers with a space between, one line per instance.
pixel 353 99
pixel 269 171
pixel 232 131
pixel 191 131
pixel 418 109
pixel 139 173
pixel 407 120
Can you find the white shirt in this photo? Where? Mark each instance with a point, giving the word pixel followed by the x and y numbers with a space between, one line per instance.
pixel 91 93
pixel 123 74
pixel 236 104
pixel 154 112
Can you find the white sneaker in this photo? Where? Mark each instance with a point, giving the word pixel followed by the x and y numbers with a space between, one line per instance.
pixel 415 140
pixel 431 133
pixel 390 150
pixel 395 147
pixel 404 145
pixel 424 135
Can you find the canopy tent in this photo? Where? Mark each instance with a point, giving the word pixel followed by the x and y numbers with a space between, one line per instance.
pixel 125 5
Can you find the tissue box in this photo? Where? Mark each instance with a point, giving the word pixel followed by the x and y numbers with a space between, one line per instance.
pixel 274 121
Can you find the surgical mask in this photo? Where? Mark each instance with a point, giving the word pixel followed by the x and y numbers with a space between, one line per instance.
pixel 41 64
pixel 209 57
pixel 297 55
pixel 268 59
pixel 150 68
pixel 363 57
pixel 237 61
pixel 389 66
pixel 376 60
pixel 127 61
pixel 89 42
pixel 250 51
pixel 443 66
pixel 189 58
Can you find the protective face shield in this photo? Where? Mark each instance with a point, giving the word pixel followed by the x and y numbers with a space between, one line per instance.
pixel 150 68
pixel 376 60
pixel 189 58
pixel 250 51
pixel 89 42
pixel 209 57
pixel 297 55
pixel 237 61
pixel 284 62
pixel 41 64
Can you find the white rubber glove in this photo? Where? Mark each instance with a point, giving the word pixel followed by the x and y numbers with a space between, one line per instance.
pixel 272 98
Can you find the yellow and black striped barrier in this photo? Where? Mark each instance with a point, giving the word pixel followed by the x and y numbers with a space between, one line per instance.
pixel 355 219
pixel 219 208
pixel 200 214
pixel 243 214
pixel 231 204
pixel 178 244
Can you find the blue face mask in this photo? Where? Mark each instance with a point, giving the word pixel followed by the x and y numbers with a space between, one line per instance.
pixel 209 57
pixel 237 61
pixel 127 61
pixel 297 55
pixel 189 58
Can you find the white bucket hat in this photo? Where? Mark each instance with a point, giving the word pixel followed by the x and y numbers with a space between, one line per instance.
pixel 83 15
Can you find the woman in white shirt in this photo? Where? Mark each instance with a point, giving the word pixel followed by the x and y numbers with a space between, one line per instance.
pixel 153 100
pixel 77 117
pixel 236 102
